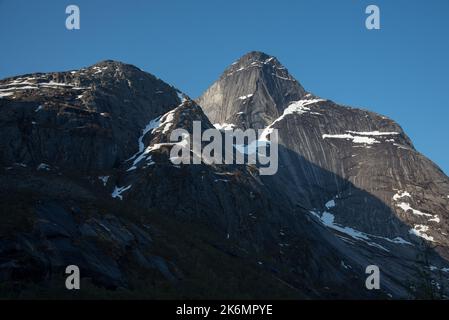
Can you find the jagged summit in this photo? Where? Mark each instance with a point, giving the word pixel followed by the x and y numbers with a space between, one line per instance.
pixel 114 65
pixel 266 65
pixel 254 58
pixel 256 77
pixel 110 62
pixel 259 55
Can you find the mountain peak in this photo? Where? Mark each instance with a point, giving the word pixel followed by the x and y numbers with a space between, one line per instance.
pixel 255 56
pixel 267 65
pixel 257 87
pixel 113 65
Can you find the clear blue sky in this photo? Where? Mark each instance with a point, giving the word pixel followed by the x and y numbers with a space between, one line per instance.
pixel 400 71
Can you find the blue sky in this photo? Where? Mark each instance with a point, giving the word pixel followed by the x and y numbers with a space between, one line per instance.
pixel 400 71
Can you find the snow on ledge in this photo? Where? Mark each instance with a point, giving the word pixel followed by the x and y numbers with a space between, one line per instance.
pixel 355 139
pixel 401 194
pixel 419 231
pixel 296 107
pixel 373 133
pixel 364 137
pixel 327 219
pixel 405 206
pixel 245 97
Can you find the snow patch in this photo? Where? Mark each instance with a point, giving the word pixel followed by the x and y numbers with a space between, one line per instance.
pixel 99 69
pixel 397 240
pixel 297 107
pixel 167 121
pixel 43 166
pixel 12 89
pixel 245 97
pixel 151 126
pixel 6 94
pixel 55 84
pixel 330 204
pixel 144 154
pixel 327 219
pixel 373 133
pixel 117 193
pixel 364 137
pixel 181 96
pixel 435 219
pixel 420 230
pixel 400 146
pixel 17 85
pixel 401 194
pixel 355 139
pixel 345 265
pixel 281 77
pixel 23 165
pixel 104 179
pixel 406 207
pixel 224 126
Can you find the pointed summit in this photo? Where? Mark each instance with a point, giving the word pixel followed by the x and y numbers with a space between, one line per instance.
pixel 251 92
pixel 259 61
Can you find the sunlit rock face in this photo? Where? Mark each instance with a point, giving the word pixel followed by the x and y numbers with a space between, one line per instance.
pixel 81 119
